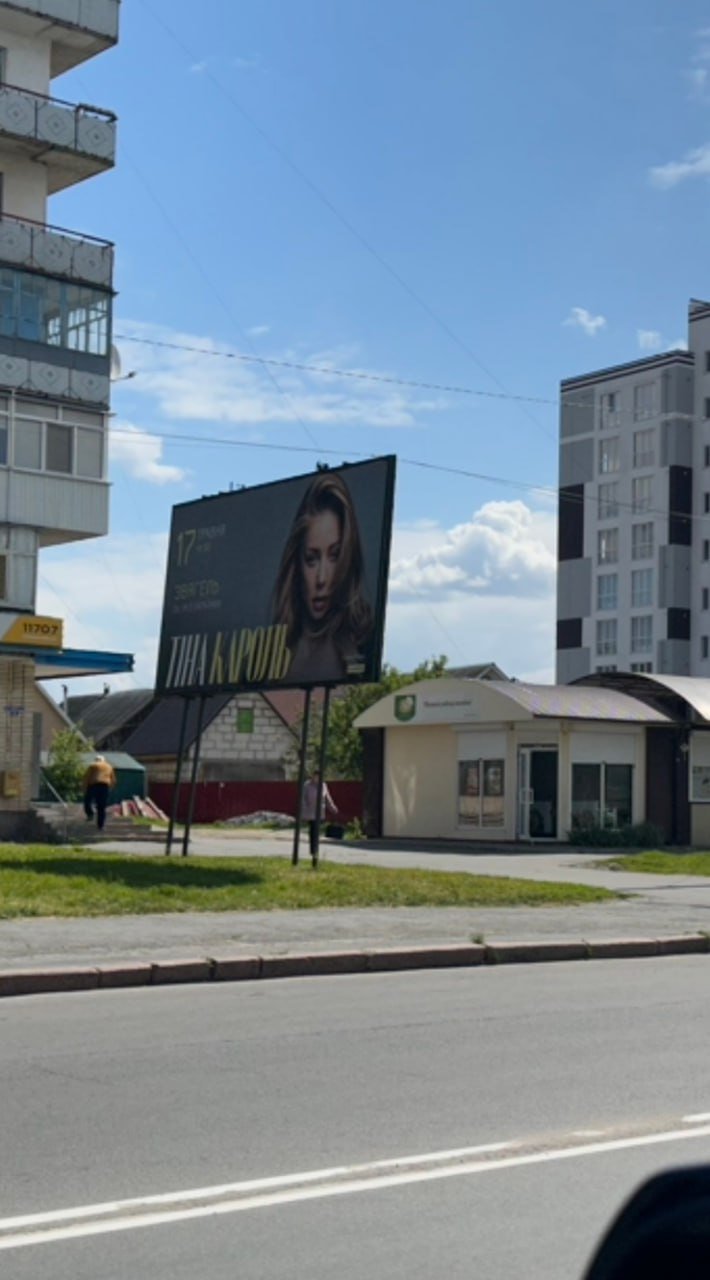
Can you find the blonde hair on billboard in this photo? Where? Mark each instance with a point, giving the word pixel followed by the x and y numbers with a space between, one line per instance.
pixel 349 621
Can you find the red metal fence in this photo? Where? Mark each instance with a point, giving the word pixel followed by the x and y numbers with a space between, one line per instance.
pixel 218 801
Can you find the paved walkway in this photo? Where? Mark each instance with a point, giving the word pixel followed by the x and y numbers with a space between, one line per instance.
pixel 657 907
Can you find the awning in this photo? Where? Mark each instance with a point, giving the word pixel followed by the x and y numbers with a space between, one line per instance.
pixel 61 663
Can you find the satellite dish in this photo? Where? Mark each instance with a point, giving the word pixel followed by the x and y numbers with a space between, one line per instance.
pixel 115 363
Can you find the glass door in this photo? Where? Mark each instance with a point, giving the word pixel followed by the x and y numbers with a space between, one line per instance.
pixel 537 793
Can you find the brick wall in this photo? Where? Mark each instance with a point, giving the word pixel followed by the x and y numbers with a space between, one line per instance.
pixel 16 694
pixel 268 742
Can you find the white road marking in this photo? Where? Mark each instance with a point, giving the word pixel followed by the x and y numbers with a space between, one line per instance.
pixel 152 1211
pixel 701 1118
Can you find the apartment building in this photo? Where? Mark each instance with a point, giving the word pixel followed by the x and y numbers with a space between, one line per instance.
pixel 633 585
pixel 55 339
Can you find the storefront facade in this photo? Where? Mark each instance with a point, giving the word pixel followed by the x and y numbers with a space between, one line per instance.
pixel 460 759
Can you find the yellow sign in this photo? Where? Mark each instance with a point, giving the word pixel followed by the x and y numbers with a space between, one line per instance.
pixel 33 631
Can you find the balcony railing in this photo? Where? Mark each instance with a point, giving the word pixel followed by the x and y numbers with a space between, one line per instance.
pixel 100 17
pixel 56 251
pixel 59 131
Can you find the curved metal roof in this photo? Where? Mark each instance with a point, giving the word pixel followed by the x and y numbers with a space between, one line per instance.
pixel 582 702
pixel 444 701
pixel 694 690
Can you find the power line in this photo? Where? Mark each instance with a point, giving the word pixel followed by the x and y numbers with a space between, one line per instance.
pixel 359 375
pixel 337 213
pixel 548 491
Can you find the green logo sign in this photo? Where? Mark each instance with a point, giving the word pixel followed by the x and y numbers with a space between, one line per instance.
pixel 405 706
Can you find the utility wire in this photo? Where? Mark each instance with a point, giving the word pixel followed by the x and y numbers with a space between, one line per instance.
pixel 564 402
pixel 548 491
pixel 337 212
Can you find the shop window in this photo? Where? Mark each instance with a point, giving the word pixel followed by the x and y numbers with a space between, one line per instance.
pixel 481 793
pixel 601 795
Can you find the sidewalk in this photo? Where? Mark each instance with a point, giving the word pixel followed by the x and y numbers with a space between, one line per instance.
pixel 661 915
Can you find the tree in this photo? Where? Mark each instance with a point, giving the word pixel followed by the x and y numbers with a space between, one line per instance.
pixel 67 763
pixel 344 751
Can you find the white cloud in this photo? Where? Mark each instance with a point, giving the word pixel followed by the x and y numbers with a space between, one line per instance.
pixel 258 330
pixel 696 164
pixel 140 454
pixel 476 629
pixel 197 68
pixel 505 549
pixel 109 591
pixel 697 78
pixel 583 319
pixel 203 384
pixel 649 339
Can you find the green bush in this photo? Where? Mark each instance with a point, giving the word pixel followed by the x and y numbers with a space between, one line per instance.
pixel 639 835
pixel 67 763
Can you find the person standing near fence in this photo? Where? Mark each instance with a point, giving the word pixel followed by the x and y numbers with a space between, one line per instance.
pixel 309 811
pixel 98 781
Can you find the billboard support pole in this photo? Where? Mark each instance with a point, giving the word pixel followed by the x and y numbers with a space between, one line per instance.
pixel 321 772
pixel 176 780
pixel 193 778
pixel 303 752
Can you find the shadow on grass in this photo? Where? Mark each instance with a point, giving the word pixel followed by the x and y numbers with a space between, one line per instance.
pixel 138 874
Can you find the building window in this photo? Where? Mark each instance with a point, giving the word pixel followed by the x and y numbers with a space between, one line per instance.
pixel 609 457
pixel 642 634
pixel 54 312
pixel 641 493
pixel 641 541
pixel 606 636
pixel 706 456
pixel 706 503
pixel 608 546
pixel 601 795
pixel 245 720
pixel 608 500
pixel 703 646
pixel 611 667
pixel 609 405
pixel 641 588
pixel 706 598
pixel 706 548
pixel 645 448
pixel 642 666
pixel 645 400
pixel 18 560
pixel 481 793
pixel 706 412
pixel 54 438
pixel 607 592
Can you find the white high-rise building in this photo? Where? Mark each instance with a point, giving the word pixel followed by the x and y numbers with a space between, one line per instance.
pixel 633 587
pixel 55 336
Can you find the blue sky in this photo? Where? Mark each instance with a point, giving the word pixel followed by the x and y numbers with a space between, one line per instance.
pixel 481 193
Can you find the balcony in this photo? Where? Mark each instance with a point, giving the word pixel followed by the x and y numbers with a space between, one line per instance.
pixel 78 29
pixel 72 140
pixel 55 251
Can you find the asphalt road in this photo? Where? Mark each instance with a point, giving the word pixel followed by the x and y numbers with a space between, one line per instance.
pixel 580 1069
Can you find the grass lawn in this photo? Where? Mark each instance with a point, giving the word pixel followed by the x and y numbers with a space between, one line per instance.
pixel 656 862
pixel 41 880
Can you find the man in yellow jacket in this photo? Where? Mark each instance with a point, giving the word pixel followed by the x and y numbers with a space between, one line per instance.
pixel 98 780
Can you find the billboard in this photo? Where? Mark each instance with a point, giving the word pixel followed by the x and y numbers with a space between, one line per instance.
pixel 279 586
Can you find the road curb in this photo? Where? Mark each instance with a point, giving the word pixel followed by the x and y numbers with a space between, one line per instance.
pixel 225 968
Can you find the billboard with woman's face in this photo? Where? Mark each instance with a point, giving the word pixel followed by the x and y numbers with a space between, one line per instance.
pixel 279 586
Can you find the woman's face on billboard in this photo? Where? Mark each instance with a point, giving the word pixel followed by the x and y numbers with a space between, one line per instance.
pixel 320 556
